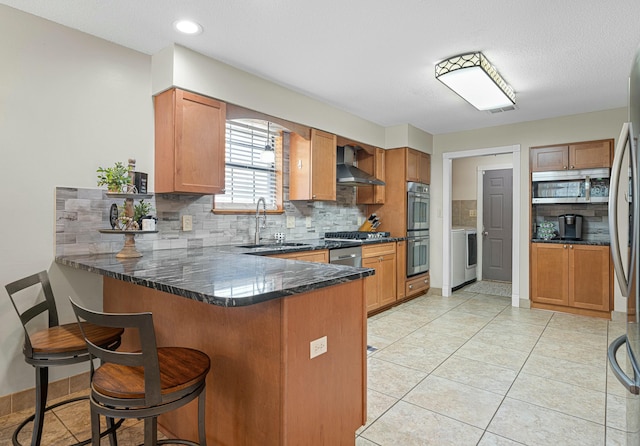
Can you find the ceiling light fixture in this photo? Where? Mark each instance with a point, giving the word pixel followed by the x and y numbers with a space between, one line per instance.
pixel 187 27
pixel 472 77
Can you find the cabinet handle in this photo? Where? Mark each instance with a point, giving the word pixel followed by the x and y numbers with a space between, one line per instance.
pixel 223 190
pixel 299 164
pixel 564 246
pixel 570 246
pixel 564 167
pixel 380 259
pixel 410 287
pixel 426 280
pixel 313 196
pixel 572 167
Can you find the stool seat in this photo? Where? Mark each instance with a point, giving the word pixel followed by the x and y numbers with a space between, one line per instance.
pixel 180 368
pixel 67 338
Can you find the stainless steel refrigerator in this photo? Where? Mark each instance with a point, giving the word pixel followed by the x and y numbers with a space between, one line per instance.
pixel 623 227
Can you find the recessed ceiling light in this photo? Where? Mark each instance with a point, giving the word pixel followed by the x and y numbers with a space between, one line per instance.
pixel 187 27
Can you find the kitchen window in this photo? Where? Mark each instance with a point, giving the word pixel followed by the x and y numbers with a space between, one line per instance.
pixel 248 174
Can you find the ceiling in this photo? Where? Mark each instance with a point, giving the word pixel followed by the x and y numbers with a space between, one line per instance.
pixel 376 58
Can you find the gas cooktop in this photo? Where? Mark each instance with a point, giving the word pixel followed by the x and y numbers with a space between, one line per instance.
pixel 355 235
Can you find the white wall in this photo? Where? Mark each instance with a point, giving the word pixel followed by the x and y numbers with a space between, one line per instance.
pixel 464 174
pixel 582 127
pixel 69 103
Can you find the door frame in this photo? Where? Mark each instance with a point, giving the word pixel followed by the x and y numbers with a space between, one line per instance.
pixel 447 159
pixel 480 209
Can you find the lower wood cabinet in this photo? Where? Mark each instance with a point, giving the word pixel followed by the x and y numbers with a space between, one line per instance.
pixel 417 285
pixel 320 256
pixel 381 287
pixel 571 277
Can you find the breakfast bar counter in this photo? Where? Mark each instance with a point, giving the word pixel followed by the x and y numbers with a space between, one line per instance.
pixel 256 318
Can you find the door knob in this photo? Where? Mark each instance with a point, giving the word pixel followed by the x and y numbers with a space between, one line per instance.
pixel 485 233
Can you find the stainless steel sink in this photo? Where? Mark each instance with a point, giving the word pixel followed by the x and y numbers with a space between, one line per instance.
pixel 273 245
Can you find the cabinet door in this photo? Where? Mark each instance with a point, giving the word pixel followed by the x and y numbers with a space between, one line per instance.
pixel 312 171
pixel 589 155
pixel 424 169
pixel 418 167
pixel 387 282
pixel 371 284
pixel 549 158
pixel 417 285
pixel 413 166
pixel 550 273
pixel 401 268
pixel 190 149
pixel 589 277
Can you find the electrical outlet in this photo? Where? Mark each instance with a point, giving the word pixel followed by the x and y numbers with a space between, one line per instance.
pixel 308 222
pixel 473 213
pixel 317 347
pixel 187 222
pixel 291 222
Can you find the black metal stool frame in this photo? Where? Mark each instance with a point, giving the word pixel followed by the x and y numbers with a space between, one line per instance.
pixel 153 403
pixel 41 362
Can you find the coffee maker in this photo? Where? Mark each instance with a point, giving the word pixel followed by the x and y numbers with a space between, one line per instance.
pixel 570 226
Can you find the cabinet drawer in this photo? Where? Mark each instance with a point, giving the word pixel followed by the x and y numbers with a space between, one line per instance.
pixel 417 284
pixel 378 249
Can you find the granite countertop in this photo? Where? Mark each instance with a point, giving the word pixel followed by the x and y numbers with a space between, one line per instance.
pixel 226 275
pixel 572 242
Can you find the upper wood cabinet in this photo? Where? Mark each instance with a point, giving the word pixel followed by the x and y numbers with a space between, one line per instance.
pixel 189 143
pixel 373 164
pixel 312 166
pixel 582 155
pixel 418 167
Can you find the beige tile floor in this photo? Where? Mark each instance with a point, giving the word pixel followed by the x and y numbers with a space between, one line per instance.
pixel 462 370
pixel 472 370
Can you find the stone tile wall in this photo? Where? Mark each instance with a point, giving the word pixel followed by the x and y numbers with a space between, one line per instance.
pixel 80 213
pixel 460 213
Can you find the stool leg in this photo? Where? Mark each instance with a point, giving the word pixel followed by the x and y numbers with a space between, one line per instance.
pixel 201 427
pixel 95 427
pixel 150 431
pixel 42 387
pixel 113 439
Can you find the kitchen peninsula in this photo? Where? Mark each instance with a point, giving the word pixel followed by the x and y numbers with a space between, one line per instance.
pixel 255 317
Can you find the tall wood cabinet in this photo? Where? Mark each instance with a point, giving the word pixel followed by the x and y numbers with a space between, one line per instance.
pixel 312 166
pixel 381 287
pixel 576 277
pixel 189 143
pixel 582 155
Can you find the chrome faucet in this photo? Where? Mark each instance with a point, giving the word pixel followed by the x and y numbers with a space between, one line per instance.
pixel 264 219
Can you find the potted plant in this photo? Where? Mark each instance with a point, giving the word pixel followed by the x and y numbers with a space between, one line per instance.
pixel 115 178
pixel 142 210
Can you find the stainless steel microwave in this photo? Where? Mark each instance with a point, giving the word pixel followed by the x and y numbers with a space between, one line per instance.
pixel 570 186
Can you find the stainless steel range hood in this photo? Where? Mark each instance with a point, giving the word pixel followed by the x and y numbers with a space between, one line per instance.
pixel 349 175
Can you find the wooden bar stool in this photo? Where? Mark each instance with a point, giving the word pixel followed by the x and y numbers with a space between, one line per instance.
pixel 53 346
pixel 145 383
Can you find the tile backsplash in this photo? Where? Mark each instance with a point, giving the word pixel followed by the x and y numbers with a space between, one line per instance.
pixel 595 218
pixel 80 213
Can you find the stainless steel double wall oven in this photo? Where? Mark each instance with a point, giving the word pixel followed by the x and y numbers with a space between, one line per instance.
pixel 417 228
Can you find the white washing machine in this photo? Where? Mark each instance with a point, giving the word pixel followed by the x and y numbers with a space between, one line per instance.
pixel 458 258
pixel 471 255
